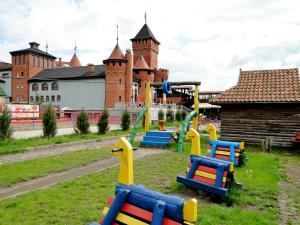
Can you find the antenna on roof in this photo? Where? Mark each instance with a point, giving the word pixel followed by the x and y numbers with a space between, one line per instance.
pixel 46 46
pixel 117 34
pixel 75 49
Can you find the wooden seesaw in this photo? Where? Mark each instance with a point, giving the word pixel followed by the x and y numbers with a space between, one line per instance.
pixel 137 205
pixel 212 175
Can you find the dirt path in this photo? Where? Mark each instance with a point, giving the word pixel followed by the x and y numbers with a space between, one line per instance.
pixel 289 198
pixel 58 149
pixel 45 182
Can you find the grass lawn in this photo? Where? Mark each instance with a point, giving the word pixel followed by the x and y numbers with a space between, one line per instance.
pixel 30 169
pixel 81 200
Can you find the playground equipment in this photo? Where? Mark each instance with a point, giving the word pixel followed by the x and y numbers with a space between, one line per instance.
pixel 136 124
pixel 137 205
pixel 209 174
pixel 158 139
pixel 225 150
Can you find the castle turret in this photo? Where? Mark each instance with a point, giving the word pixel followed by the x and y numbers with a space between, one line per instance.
pixel 74 62
pixel 115 77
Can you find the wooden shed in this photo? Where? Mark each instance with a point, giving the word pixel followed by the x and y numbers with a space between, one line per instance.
pixel 265 104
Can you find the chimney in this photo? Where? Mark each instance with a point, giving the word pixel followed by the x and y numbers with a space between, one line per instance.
pixel 90 68
pixel 34 45
pixel 59 62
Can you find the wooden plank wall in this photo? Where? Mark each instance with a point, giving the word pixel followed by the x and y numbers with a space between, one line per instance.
pixel 252 123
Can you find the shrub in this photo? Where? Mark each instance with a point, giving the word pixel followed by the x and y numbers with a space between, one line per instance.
pixel 125 124
pixel 103 122
pixel 160 114
pixel 6 130
pixel 170 116
pixel 82 123
pixel 178 115
pixel 49 122
pixel 183 114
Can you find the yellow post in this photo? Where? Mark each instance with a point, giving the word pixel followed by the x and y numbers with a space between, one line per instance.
pixel 126 161
pixel 190 210
pixel 196 106
pixel 212 130
pixel 148 102
pixel 193 135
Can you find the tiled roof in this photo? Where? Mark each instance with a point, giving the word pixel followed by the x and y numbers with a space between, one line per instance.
pixel 74 61
pixel 145 33
pixel 140 63
pixel 117 53
pixel 79 72
pixel 263 86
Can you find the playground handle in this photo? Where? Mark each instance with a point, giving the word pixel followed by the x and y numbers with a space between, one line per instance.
pixel 121 149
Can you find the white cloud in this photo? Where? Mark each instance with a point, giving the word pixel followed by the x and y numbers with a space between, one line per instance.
pixel 200 40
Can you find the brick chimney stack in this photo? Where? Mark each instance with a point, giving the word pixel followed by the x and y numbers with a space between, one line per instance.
pixel 34 45
pixel 90 68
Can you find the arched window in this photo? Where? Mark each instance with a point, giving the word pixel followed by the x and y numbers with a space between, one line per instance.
pixel 35 87
pixel 52 98
pixel 58 98
pixel 45 87
pixel 54 86
pixel 47 98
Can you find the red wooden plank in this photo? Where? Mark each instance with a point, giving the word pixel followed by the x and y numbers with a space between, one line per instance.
pixel 141 213
pixel 237 150
pixel 206 180
pixel 207 169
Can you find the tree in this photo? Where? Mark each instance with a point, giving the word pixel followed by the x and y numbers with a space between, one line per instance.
pixel 49 122
pixel 6 130
pixel 82 123
pixel 170 116
pixel 103 122
pixel 160 114
pixel 125 124
pixel 178 115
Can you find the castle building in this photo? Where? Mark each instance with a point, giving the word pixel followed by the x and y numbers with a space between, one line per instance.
pixel 121 78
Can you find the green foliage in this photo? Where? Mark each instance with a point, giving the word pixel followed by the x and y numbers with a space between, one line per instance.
pixel 178 115
pixel 170 116
pixel 103 122
pixel 125 124
pixel 183 114
pixel 161 114
pixel 6 130
pixel 82 123
pixel 49 122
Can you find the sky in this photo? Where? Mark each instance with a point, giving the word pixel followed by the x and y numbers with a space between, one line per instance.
pixel 202 40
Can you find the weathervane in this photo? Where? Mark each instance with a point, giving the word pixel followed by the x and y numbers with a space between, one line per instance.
pixel 117 34
pixel 75 49
pixel 145 16
pixel 47 46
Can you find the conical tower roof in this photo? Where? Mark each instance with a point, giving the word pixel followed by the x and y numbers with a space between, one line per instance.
pixel 117 53
pixel 145 33
pixel 141 63
pixel 74 61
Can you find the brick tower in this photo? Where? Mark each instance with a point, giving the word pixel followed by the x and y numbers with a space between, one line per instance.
pixel 25 64
pixel 146 43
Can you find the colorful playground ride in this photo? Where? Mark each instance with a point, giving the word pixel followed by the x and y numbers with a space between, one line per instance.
pixel 209 174
pixel 157 138
pixel 225 150
pixel 137 205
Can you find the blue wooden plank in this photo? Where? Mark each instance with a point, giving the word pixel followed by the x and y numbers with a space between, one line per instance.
pixel 159 133
pixel 157 139
pixel 202 186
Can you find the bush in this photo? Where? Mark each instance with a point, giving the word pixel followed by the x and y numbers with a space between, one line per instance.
pixel 183 114
pixel 103 122
pixel 82 123
pixel 161 114
pixel 170 116
pixel 6 130
pixel 178 115
pixel 49 122
pixel 125 124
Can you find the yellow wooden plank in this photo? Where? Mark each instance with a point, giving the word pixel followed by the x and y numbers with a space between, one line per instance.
pixel 225 153
pixel 125 219
pixel 207 175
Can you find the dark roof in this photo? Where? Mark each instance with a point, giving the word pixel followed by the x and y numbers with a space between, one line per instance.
pixel 32 50
pixel 2 81
pixel 70 73
pixel 263 86
pixel 145 33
